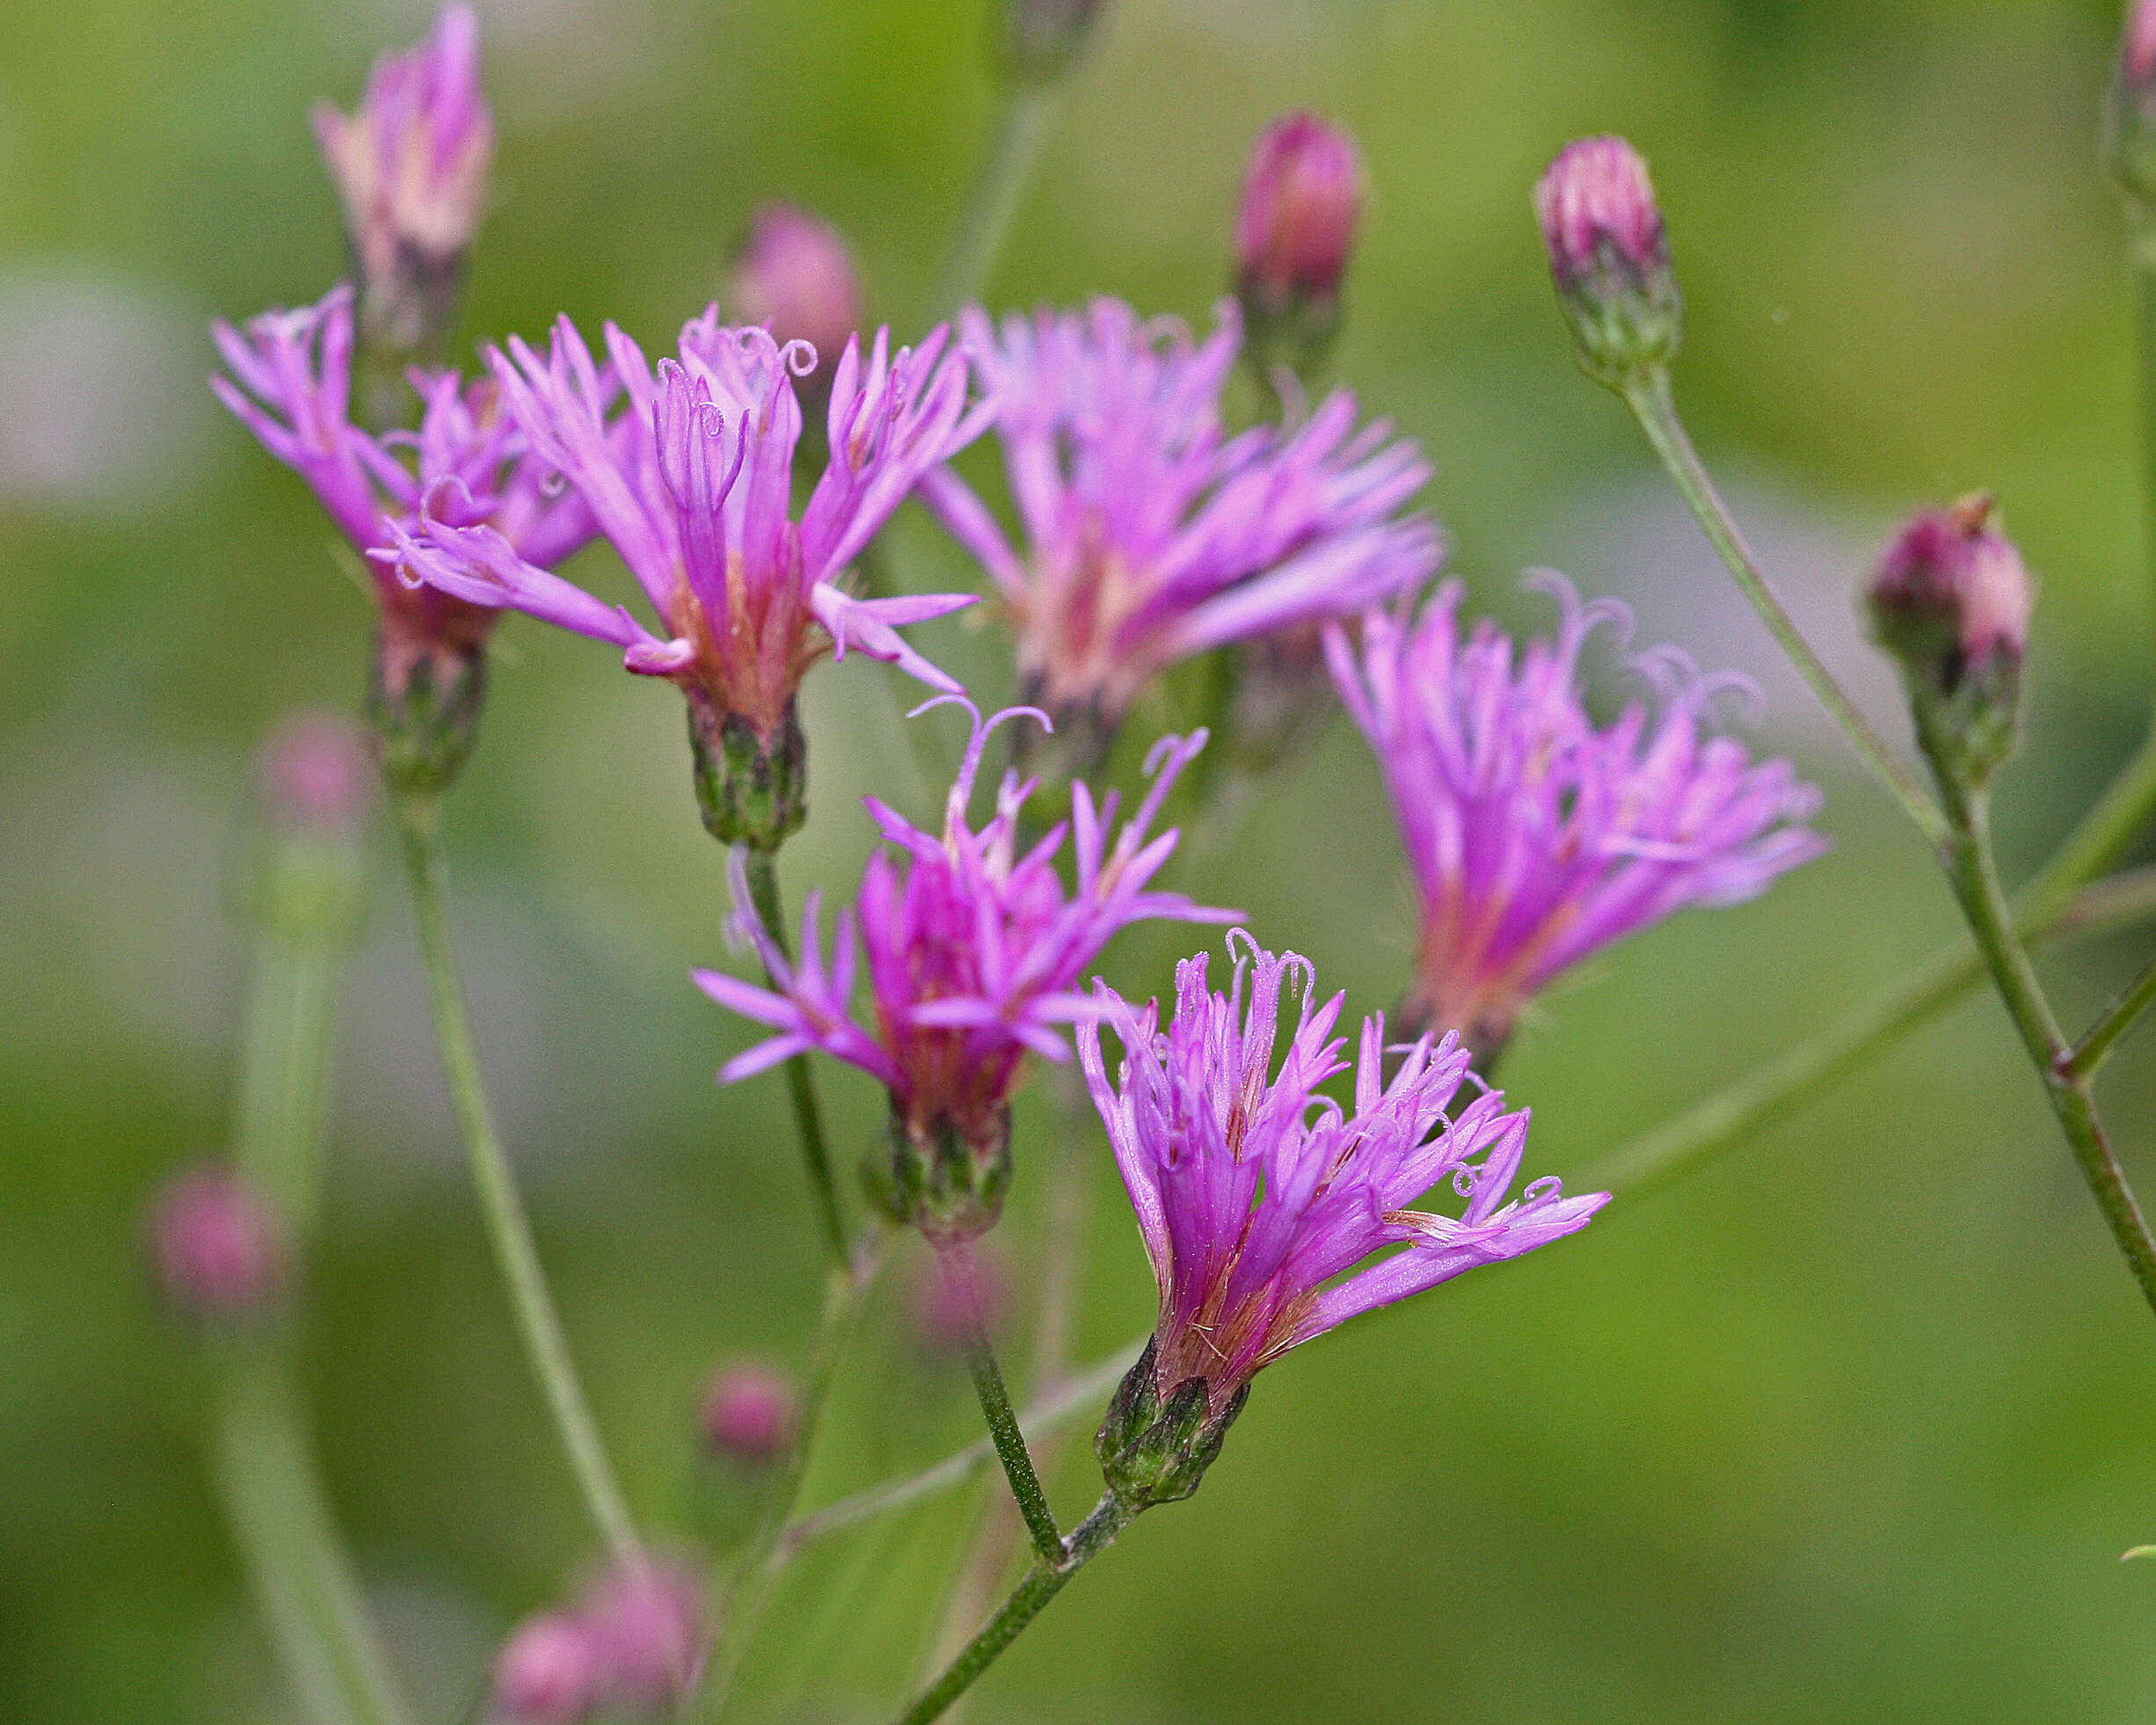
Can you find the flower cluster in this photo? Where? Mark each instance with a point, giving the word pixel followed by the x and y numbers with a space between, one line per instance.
pixel 691 480
pixel 1150 534
pixel 975 950
pixel 1536 835
pixel 1256 1194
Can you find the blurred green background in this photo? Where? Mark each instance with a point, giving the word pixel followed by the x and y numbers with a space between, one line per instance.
pixel 1852 1426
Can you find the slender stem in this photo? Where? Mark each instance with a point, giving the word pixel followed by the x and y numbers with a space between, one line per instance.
pixel 1791 1079
pixel 1093 1535
pixel 2144 277
pixel 1652 404
pixel 2117 1018
pixel 2096 840
pixel 1025 1486
pixel 998 187
pixel 800 1083
pixel 291 1019
pixel 1070 1398
pixel 508 1229
pixel 845 1287
pixel 288 1542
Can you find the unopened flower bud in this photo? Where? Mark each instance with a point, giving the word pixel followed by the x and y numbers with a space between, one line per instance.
pixel 946 1178
pixel 1302 196
pixel 317 778
pixel 1610 259
pixel 412 165
pixel 751 789
pixel 1154 1446
pixel 646 1622
pixel 1038 41
pixel 794 275
pixel 317 775
pixel 546 1673
pixel 220 1251
pixel 950 1299
pixel 1951 604
pixel 750 1414
pixel 2129 118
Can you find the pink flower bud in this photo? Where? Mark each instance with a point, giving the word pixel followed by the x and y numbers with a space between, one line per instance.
pixel 794 275
pixel 647 1625
pixel 220 1253
pixel 944 1305
pixel 1610 258
pixel 317 775
pixel 750 1413
pixel 1952 568
pixel 547 1672
pixel 1301 198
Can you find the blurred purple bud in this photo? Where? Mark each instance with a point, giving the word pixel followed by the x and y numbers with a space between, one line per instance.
pixel 1610 258
pixel 944 1309
pixel 794 275
pixel 547 1672
pixel 1040 41
pixel 220 1251
pixel 646 1623
pixel 317 775
pixel 750 1414
pixel 1301 198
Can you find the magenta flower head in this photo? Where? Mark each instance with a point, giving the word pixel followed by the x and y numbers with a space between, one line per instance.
pixel 221 1251
pixel 1610 259
pixel 1263 1203
pixel 548 1672
pixel 645 1621
pixel 1537 836
pixel 412 166
pixel 1951 605
pixel 291 385
pixel 316 789
pixel 794 275
pixel 692 481
pixel 751 1411
pixel 1302 196
pixel 1149 534
pixel 975 950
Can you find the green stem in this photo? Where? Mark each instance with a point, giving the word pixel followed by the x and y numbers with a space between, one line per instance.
pixel 800 1083
pixel 288 1543
pixel 507 1227
pixel 2144 278
pixel 845 1287
pixel 291 1020
pixel 2119 1017
pixel 2096 840
pixel 1651 403
pixel 1984 902
pixel 1093 1535
pixel 998 187
pixel 1791 1079
pixel 1025 1486
pixel 1054 1411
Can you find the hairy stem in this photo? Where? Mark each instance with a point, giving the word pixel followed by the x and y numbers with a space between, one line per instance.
pixel 998 187
pixel 1025 1488
pixel 800 1083
pixel 845 1287
pixel 1656 410
pixel 508 1230
pixel 1092 1536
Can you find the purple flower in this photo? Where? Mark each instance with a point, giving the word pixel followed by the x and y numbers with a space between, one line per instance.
pixel 411 163
pixel 1537 836
pixel 548 1672
pixel 1302 196
pixel 1952 571
pixel 974 952
pixel 466 464
pixel 692 482
pixel 1150 534
pixel 1255 1195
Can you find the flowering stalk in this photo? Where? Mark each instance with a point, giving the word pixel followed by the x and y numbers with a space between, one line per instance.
pixel 508 1230
pixel 959 1266
pixel 999 186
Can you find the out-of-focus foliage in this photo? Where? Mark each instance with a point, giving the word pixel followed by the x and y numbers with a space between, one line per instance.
pixel 1851 1427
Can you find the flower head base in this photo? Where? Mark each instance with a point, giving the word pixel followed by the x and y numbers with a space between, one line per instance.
pixel 1152 535
pixel 691 480
pixel 1302 196
pixel 291 386
pixel 1951 604
pixel 1610 259
pixel 1255 1194
pixel 412 166
pixel 1537 837
pixel 974 954
pixel 794 275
